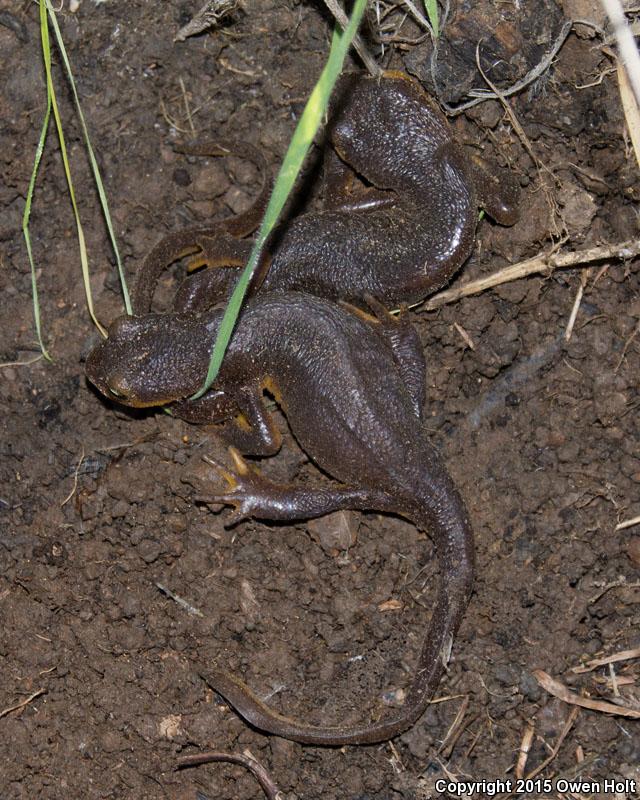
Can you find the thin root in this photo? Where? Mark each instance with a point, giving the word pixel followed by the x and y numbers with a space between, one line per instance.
pixel 544 263
pixel 561 691
pixel 24 703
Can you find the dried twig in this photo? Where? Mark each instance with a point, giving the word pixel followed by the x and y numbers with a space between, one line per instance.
pixel 396 760
pixel 540 264
pixel 623 655
pixel 561 691
pixel 620 583
pixel 180 601
pixel 76 472
pixel 576 305
pixel 418 16
pixel 207 17
pixel 367 59
pixel 445 698
pixel 628 523
pixel 515 122
pixel 171 121
pixel 626 43
pixel 623 355
pixel 563 735
pixel 465 336
pixel 620 680
pixel 31 697
pixel 187 109
pixel 525 747
pixel 26 363
pixel 614 681
pixel 630 108
pixel 455 729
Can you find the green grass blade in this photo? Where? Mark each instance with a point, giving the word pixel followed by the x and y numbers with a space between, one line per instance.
pixel 46 51
pixel 431 7
pixel 298 148
pixel 25 227
pixel 92 159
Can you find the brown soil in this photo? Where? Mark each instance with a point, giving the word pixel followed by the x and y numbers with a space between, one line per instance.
pixel 540 435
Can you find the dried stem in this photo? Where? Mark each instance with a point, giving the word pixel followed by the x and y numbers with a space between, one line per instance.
pixel 544 263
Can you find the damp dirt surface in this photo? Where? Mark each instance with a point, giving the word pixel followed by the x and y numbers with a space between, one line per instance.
pixel 117 586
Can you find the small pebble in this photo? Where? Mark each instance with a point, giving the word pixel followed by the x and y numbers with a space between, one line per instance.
pixel 394 697
pixel 337 531
pixel 181 176
pixel 148 550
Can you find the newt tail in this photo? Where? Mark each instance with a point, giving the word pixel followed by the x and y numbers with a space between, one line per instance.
pixel 449 526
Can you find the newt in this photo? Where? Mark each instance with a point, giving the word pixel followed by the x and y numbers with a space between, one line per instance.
pixel 400 237
pixel 352 388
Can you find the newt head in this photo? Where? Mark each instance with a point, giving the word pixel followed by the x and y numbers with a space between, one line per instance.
pixel 152 360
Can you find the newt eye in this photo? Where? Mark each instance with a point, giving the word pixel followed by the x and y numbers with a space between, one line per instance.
pixel 119 387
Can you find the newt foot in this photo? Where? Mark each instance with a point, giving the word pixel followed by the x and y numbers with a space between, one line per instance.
pixel 248 492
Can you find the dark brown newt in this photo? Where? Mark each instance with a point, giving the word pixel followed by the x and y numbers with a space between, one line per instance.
pixel 352 388
pixel 399 239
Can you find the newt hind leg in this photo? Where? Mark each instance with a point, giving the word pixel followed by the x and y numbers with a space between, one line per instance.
pixel 402 339
pixel 253 495
pixel 204 289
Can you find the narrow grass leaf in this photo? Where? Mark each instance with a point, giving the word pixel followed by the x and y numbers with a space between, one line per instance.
pixel 298 148
pixel 46 51
pixel 92 159
pixel 25 227
pixel 431 7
